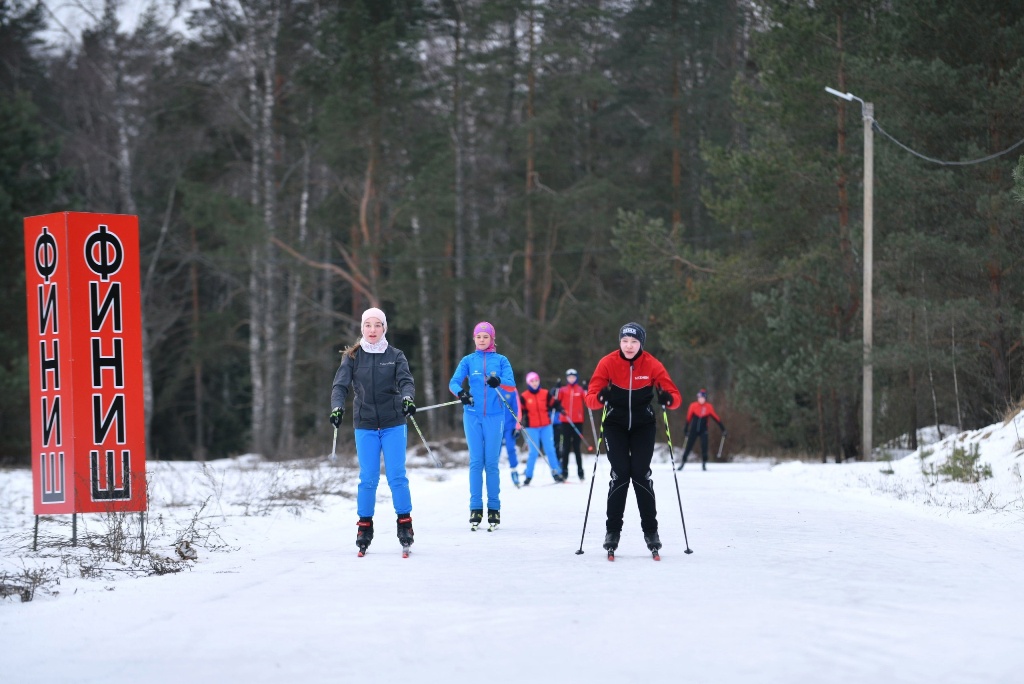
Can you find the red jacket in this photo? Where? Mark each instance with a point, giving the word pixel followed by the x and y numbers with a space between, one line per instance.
pixel 631 387
pixel 572 397
pixel 536 407
pixel 697 417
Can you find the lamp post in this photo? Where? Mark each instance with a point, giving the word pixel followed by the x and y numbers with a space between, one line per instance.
pixel 868 116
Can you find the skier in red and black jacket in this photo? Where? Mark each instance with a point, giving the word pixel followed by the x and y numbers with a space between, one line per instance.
pixel 697 426
pixel 624 383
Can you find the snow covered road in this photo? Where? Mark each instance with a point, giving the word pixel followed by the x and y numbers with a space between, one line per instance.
pixel 791 580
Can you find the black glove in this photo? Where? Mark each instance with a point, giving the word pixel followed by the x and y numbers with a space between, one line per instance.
pixel 604 396
pixel 583 385
pixel 336 415
pixel 465 397
pixel 557 405
pixel 664 398
pixel 408 408
pixel 724 431
pixel 493 381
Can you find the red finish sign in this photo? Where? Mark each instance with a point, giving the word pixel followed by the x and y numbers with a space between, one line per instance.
pixel 85 363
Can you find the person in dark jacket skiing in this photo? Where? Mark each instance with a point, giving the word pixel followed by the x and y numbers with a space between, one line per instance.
pixel 623 384
pixel 383 393
pixel 572 396
pixel 697 426
pixel 483 416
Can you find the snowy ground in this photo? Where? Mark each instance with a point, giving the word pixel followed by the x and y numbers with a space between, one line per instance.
pixel 800 573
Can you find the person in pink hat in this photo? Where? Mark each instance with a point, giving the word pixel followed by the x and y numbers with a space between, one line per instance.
pixel 476 382
pixel 536 403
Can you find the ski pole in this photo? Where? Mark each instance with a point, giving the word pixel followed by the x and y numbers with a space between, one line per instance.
pixel 334 448
pixel 720 445
pixel 434 406
pixel 672 460
pixel 524 432
pixel 593 476
pixel 437 463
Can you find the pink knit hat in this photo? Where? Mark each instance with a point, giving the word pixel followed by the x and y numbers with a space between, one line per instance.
pixel 531 376
pixel 484 326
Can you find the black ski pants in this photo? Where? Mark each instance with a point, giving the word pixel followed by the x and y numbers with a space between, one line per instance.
pixel 570 442
pixel 630 453
pixel 703 446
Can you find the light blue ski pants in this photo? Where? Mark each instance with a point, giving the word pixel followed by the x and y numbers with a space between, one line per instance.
pixel 545 437
pixel 483 435
pixel 370 444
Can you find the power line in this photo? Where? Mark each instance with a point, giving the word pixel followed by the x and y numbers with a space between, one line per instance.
pixel 874 124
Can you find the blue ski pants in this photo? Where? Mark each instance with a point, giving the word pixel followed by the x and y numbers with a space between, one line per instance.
pixel 370 444
pixel 545 437
pixel 483 436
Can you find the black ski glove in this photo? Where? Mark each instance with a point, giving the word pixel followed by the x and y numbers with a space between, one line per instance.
pixel 493 382
pixel 557 405
pixel 724 431
pixel 664 398
pixel 336 415
pixel 465 397
pixel 604 396
pixel 408 408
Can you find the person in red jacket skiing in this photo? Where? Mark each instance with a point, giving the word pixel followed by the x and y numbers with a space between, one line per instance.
pixel 572 396
pixel 697 426
pixel 623 384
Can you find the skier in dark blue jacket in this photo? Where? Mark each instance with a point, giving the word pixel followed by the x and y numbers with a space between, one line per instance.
pixel 383 395
pixel 484 416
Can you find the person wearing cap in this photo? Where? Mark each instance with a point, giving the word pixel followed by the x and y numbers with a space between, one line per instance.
pixel 476 382
pixel 623 384
pixel 383 393
pixel 536 405
pixel 572 397
pixel 697 426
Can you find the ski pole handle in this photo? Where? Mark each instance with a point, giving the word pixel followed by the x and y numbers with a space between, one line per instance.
pixel 720 445
pixel 334 448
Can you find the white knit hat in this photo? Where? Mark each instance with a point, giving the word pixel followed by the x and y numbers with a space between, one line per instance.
pixel 375 313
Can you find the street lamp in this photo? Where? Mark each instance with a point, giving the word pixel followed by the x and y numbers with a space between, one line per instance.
pixel 868 115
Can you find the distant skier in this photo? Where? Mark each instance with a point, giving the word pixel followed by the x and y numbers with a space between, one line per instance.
pixel 484 416
pixel 536 405
pixel 572 396
pixel 697 426
pixel 511 433
pixel 383 395
pixel 624 383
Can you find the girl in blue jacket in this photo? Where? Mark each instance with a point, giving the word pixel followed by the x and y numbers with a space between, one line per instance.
pixel 484 417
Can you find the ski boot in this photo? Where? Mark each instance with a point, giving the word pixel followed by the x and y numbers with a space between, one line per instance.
pixel 364 534
pixel 582 476
pixel 526 481
pixel 476 516
pixel 405 533
pixel 515 478
pixel 493 520
pixel 611 542
pixel 558 478
pixel 653 542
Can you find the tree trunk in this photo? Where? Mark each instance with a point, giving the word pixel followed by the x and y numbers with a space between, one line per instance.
pixel 428 394
pixel 199 450
pixel 530 179
pixel 461 329
pixel 286 440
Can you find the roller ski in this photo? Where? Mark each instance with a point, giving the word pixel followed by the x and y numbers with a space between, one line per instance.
pixel 653 542
pixel 364 534
pixel 611 542
pixel 405 533
pixel 493 520
pixel 475 518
